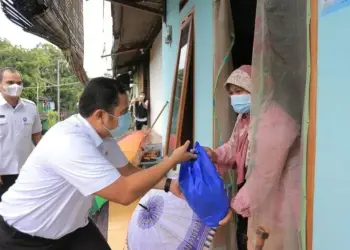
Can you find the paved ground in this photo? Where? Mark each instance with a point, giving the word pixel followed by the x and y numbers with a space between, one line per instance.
pixel 118 222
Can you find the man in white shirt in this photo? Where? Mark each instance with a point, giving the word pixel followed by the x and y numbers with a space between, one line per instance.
pixel 20 127
pixel 47 207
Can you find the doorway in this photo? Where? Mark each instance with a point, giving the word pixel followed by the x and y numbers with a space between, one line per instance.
pixel 243 17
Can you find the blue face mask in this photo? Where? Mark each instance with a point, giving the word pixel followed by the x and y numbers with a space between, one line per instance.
pixel 124 122
pixel 241 103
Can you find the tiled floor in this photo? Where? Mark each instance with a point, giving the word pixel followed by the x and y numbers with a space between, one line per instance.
pixel 118 223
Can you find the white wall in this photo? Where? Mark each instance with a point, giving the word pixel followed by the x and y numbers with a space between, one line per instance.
pixel 157 100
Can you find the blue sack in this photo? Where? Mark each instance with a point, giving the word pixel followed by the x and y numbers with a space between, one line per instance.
pixel 204 189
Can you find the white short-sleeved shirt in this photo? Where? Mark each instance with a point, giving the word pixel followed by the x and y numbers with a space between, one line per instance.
pixel 16 128
pixel 53 193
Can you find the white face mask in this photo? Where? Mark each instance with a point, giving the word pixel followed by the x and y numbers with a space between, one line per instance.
pixel 14 90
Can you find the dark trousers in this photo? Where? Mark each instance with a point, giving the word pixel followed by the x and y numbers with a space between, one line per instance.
pixel 7 182
pixel 139 125
pixel 242 227
pixel 86 238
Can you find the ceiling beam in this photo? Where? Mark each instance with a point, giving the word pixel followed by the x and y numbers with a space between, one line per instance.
pixel 140 47
pixel 121 52
pixel 149 2
pixel 138 6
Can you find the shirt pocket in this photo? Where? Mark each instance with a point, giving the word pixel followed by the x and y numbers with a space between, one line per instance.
pixel 26 127
pixel 3 127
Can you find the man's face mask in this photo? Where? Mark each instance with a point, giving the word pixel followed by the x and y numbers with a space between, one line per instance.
pixel 13 89
pixel 124 122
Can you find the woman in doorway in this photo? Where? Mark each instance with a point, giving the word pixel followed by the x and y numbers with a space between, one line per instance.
pixel 141 111
pixel 271 195
pixel 233 154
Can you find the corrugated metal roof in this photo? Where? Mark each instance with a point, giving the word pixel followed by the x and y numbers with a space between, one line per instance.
pixel 58 21
pixel 134 31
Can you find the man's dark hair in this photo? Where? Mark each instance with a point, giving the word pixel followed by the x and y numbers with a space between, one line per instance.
pixel 2 71
pixel 101 93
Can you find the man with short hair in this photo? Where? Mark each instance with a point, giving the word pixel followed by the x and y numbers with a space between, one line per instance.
pixel 48 206
pixel 20 127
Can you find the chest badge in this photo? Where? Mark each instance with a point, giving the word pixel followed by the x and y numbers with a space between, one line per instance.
pixel 106 153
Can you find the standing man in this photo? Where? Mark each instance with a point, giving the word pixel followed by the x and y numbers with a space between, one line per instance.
pixel 20 127
pixel 48 206
pixel 141 111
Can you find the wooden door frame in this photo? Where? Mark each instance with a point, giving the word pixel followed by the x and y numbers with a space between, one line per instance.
pixel 188 20
pixel 311 145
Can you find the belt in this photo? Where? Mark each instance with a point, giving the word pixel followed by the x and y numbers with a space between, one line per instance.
pixel 13 232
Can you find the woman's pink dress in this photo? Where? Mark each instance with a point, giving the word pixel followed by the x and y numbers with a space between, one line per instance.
pixel 272 192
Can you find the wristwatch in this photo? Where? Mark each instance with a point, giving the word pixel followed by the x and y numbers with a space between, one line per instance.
pixel 167 185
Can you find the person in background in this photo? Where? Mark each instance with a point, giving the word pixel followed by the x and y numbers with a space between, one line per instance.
pixel 48 206
pixel 140 111
pixel 20 127
pixel 233 154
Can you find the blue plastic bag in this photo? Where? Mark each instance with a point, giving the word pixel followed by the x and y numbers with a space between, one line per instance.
pixel 204 189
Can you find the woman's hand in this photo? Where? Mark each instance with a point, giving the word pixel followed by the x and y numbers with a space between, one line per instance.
pixel 212 155
pixel 181 154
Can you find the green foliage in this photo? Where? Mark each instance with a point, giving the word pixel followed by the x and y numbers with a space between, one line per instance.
pixel 52 118
pixel 38 67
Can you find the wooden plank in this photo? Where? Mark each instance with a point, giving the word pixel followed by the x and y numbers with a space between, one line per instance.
pixel 154 11
pixel 311 147
pixel 101 219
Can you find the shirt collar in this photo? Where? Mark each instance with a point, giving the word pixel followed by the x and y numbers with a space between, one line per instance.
pixel 91 131
pixel 4 102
